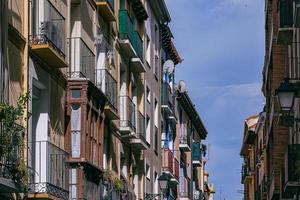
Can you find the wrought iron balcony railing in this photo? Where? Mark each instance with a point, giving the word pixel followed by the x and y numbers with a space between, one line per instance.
pixel 82 61
pixel 166 96
pixel 185 135
pixel 127 113
pixel 11 151
pixel 52 33
pixel 108 85
pixel 141 126
pixel 49 163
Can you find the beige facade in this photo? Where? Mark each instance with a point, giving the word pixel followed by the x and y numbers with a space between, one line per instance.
pixel 106 120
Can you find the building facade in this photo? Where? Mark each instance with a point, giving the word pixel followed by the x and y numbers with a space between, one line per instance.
pixel 276 139
pixel 107 120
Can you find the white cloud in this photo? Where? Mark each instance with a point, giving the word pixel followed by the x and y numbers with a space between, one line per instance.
pixel 248 90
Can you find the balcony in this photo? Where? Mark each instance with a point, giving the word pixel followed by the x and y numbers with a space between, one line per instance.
pixel 50 179
pixel 127 116
pixel 175 172
pixel 167 161
pixel 246 174
pixel 292 159
pixel 285 29
pixel 197 154
pixel 82 61
pixel 48 44
pixel 139 138
pixel 186 194
pixel 198 195
pixel 108 85
pixel 11 155
pixel 167 99
pixel 139 10
pixel 131 41
pixel 185 138
pixel 106 9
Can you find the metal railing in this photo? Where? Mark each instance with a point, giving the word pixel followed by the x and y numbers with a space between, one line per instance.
pixel 51 32
pixel 198 195
pixel 110 3
pixel 108 85
pixel 11 151
pixel 127 112
pixel 185 135
pixel 245 171
pixel 49 163
pixel 43 39
pixel 167 160
pixel 127 31
pixel 82 61
pixel 167 98
pixel 141 126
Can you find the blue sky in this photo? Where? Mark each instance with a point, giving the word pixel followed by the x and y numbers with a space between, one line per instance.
pixel 222 44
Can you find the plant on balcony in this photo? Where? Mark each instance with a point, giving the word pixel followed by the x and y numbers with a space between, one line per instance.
pixel 118 184
pixel 112 179
pixel 12 140
pixel 108 175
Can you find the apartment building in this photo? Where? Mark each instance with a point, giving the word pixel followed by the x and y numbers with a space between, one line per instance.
pixel 105 120
pixel 189 150
pixel 260 158
pixel 274 147
pixel 13 77
pixel 48 63
pixel 281 63
pixel 248 154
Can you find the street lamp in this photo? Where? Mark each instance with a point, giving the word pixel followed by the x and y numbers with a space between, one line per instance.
pixel 286 96
pixel 163 181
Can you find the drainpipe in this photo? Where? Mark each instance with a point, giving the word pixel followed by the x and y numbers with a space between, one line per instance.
pixel 25 70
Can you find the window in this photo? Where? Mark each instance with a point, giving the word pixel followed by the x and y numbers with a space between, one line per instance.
pixel 156 112
pixel 156 67
pixel 148 129
pixel 147 172
pixel 75 94
pixel 156 183
pixel 148 93
pixel 148 50
pixel 73 183
pixel 156 147
pixel 156 39
pixel 75 130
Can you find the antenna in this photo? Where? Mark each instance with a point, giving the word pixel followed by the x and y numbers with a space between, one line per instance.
pixel 168 67
pixel 182 86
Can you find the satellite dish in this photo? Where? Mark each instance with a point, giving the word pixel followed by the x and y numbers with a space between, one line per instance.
pixel 168 67
pixel 182 86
